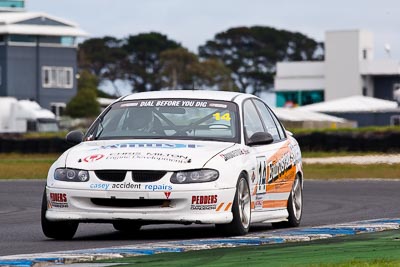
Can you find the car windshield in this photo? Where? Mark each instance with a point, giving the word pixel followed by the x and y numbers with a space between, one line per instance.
pixel 191 119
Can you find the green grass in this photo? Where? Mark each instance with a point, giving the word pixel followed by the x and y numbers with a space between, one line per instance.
pixel 327 154
pixel 378 129
pixel 353 171
pixel 36 166
pixel 25 166
pixel 375 249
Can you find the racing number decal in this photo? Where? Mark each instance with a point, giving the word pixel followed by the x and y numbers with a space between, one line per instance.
pixel 261 175
pixel 224 117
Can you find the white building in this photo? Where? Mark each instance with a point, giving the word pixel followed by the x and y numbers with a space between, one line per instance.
pixel 349 69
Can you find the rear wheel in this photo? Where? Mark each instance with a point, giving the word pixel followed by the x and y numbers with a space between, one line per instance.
pixel 62 230
pixel 295 206
pixel 127 226
pixel 241 210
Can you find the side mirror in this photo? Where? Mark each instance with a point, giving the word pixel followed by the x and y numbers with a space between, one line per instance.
pixel 260 138
pixel 74 137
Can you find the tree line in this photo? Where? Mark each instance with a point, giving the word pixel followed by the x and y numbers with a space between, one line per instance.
pixel 239 59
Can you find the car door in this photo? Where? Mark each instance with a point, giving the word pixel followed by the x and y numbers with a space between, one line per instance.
pixel 271 182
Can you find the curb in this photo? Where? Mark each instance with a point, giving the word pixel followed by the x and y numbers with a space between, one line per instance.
pixel 252 239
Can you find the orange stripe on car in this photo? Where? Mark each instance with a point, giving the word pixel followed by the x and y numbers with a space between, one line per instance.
pixel 220 206
pixel 228 206
pixel 268 204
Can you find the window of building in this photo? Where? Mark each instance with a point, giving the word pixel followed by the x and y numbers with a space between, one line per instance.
pixel 1 76
pixel 57 40
pixel 19 38
pixel 58 108
pixel 299 98
pixel 57 77
pixel 2 39
pixel 365 54
pixel 395 120
pixel 12 3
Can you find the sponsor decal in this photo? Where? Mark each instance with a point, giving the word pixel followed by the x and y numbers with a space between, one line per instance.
pixel 129 105
pixel 258 204
pixel 207 202
pixel 93 158
pixel 126 186
pixel 295 149
pixel 234 153
pixel 134 186
pixel 261 175
pixel 157 187
pixel 148 145
pixel 151 156
pixel 217 105
pixel 253 177
pixel 275 169
pixel 99 186
pixel 173 103
pixel 58 200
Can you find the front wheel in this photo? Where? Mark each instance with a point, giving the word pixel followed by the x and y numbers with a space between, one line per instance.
pixel 62 230
pixel 241 210
pixel 294 207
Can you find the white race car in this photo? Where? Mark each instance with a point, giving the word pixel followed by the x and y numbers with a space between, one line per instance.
pixel 186 157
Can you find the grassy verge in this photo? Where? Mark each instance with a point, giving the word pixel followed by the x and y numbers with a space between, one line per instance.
pixel 375 249
pixel 25 166
pixel 340 171
pixel 34 166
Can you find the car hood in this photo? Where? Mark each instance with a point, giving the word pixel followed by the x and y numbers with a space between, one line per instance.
pixel 143 154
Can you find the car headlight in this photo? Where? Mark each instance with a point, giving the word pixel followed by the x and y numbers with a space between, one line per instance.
pixel 71 175
pixel 194 176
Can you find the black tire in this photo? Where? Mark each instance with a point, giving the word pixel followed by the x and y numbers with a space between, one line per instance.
pixel 61 230
pixel 241 210
pixel 295 206
pixel 127 226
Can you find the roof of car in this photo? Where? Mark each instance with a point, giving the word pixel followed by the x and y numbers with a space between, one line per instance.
pixel 196 94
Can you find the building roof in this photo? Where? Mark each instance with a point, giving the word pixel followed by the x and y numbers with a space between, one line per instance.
pixel 294 114
pixel 34 23
pixel 352 104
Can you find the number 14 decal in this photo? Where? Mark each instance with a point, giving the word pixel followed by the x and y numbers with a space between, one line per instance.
pixel 224 117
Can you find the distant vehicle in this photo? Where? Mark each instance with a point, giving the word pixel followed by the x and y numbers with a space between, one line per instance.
pixel 177 156
pixel 20 116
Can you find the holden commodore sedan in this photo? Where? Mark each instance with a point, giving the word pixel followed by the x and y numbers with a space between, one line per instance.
pixel 184 157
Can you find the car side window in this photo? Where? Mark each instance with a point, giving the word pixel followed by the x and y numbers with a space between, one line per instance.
pixel 279 126
pixel 251 120
pixel 269 122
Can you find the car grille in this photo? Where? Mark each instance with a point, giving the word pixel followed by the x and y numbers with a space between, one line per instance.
pixel 130 203
pixel 111 175
pixel 147 176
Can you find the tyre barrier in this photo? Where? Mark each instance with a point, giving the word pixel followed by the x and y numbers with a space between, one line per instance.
pixel 33 145
pixel 350 141
pixel 315 141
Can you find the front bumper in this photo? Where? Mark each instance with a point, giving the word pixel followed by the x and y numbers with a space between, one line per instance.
pixel 211 206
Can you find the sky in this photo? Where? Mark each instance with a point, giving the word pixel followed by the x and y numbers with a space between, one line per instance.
pixel 193 22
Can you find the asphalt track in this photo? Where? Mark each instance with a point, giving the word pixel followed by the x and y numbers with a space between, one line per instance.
pixel 326 202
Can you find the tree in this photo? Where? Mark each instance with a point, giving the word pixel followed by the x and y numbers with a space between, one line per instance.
pixel 104 57
pixel 84 103
pixel 213 73
pixel 181 69
pixel 144 59
pixel 178 68
pixel 252 53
